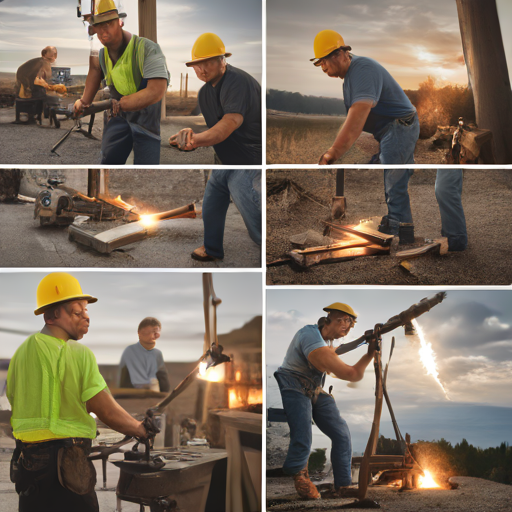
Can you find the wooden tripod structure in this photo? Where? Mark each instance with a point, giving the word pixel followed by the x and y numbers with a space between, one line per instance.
pixel 403 465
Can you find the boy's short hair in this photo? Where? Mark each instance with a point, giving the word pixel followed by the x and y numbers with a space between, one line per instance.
pixel 149 321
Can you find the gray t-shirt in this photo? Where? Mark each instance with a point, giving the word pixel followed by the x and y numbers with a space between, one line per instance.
pixel 142 364
pixel 153 66
pixel 367 80
pixel 304 342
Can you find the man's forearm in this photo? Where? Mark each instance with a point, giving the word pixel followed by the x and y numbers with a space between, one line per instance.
pixel 113 415
pixel 362 364
pixel 219 132
pixel 352 127
pixel 92 84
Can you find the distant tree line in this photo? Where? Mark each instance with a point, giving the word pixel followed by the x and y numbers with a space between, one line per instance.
pixel 463 459
pixel 300 104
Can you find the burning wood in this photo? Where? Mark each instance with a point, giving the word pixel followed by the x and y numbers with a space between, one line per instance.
pixel 114 238
pixel 341 251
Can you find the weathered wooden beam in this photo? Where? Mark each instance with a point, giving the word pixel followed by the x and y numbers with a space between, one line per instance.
pixel 439 246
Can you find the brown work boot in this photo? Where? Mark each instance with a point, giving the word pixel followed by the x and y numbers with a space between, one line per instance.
pixel 200 254
pixel 306 489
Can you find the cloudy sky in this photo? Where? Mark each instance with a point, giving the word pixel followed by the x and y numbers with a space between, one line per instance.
pixel 410 38
pixel 471 334
pixel 124 299
pixel 26 28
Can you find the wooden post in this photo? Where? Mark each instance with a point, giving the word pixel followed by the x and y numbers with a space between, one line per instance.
pixel 186 85
pixel 147 28
pixel 488 73
pixel 181 85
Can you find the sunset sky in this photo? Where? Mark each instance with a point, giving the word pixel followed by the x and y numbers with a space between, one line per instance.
pixel 470 333
pixel 410 38
pixel 26 28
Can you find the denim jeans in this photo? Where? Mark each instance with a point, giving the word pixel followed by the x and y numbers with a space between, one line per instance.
pixel 448 195
pixel 244 186
pixel 300 410
pixel 396 183
pixel 398 141
pixel 448 190
pixel 120 137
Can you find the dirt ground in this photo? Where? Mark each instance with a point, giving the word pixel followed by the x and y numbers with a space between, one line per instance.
pixel 487 201
pixel 473 494
pixel 25 243
pixel 302 139
pixel 31 144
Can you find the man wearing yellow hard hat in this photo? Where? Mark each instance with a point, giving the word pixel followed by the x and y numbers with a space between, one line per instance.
pixel 230 102
pixel 53 384
pixel 135 71
pixel 301 378
pixel 374 101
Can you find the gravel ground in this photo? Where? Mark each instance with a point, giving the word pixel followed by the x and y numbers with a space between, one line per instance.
pixel 26 244
pixel 472 495
pixel 31 144
pixel 487 200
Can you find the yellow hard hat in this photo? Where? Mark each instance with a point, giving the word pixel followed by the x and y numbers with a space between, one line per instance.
pixel 105 10
pixel 59 287
pixel 339 306
pixel 326 41
pixel 207 45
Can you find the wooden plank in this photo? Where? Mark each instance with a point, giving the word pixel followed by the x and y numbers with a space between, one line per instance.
pixel 439 246
pixel 331 254
pixel 111 239
pixel 375 237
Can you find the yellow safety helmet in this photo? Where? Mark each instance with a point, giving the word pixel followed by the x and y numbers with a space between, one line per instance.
pixel 327 41
pixel 105 10
pixel 59 287
pixel 207 45
pixel 344 308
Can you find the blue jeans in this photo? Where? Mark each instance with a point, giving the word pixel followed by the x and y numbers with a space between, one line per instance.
pixel 396 183
pixel 398 141
pixel 448 191
pixel 448 195
pixel 120 137
pixel 300 410
pixel 244 186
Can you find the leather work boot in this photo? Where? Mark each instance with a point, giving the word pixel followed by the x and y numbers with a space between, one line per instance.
pixel 306 489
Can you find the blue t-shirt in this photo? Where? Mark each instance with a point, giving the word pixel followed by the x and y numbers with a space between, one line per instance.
pixel 367 80
pixel 142 364
pixel 304 342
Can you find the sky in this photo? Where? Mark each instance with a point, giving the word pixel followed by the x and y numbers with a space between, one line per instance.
pixel 410 38
pixel 471 334
pixel 26 28
pixel 124 299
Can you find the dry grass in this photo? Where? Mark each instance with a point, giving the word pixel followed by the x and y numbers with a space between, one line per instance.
pixel 301 139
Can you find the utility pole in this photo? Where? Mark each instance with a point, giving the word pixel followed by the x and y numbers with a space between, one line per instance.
pixel 488 73
pixel 147 28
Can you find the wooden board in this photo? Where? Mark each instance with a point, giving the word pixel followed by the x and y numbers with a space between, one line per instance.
pixel 375 237
pixel 332 254
pixel 111 239
pixel 439 246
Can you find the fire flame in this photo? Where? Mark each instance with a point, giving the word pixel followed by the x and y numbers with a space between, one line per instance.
pixel 212 374
pixel 427 481
pixel 428 357
pixel 147 220
pixel 122 204
pixel 238 376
